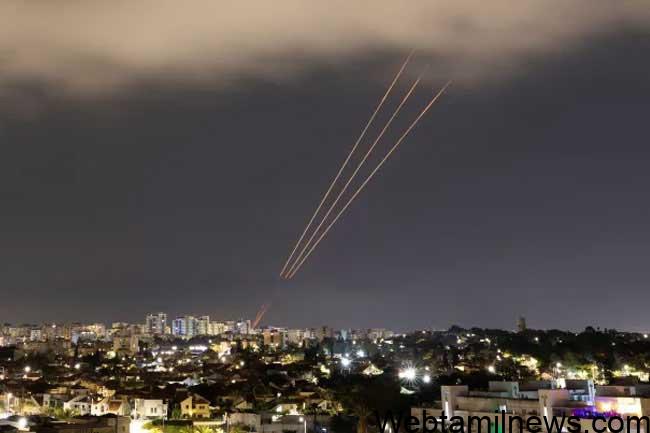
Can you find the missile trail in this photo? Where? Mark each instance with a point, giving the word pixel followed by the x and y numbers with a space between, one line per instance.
pixel 370 176
pixel 345 163
pixel 354 174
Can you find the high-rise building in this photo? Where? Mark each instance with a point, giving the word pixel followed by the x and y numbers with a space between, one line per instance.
pixel 185 326
pixel 155 323
pixel 521 324
pixel 217 328
pixel 203 325
pixel 242 326
pixel 229 326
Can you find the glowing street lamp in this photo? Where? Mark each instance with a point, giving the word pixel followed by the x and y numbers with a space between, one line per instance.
pixel 409 374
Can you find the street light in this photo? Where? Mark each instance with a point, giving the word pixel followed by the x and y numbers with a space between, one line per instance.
pixel 409 374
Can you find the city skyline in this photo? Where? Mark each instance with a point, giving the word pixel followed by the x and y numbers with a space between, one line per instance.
pixel 324 216
pixel 203 325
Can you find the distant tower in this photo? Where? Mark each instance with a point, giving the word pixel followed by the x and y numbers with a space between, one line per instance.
pixel 155 323
pixel 521 324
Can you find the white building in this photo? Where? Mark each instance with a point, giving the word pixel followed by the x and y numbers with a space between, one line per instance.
pixel 79 405
pixel 145 408
pixel 156 323
pixel 203 325
pixel 184 326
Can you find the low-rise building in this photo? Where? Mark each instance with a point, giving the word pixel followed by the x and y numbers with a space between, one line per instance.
pixel 195 406
pixel 78 405
pixel 111 405
pixel 147 408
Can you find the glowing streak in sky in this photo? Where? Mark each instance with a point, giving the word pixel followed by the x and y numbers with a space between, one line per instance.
pixel 370 176
pixel 354 174
pixel 345 163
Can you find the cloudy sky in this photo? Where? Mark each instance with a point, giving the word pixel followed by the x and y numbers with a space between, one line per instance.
pixel 163 155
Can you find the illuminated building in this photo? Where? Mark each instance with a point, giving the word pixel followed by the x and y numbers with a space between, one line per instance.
pixel 203 325
pixel 155 323
pixel 275 338
pixel 195 406
pixel 184 326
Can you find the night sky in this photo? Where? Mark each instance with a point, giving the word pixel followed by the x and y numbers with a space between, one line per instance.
pixel 523 192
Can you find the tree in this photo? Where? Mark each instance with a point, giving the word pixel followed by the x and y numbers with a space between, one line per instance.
pixel 362 396
pixel 176 412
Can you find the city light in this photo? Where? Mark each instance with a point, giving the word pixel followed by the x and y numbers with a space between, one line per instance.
pixel 22 423
pixel 415 369
pixel 409 374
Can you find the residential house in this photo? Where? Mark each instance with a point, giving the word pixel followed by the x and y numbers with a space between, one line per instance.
pixel 78 405
pixel 148 408
pixel 111 405
pixel 195 406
